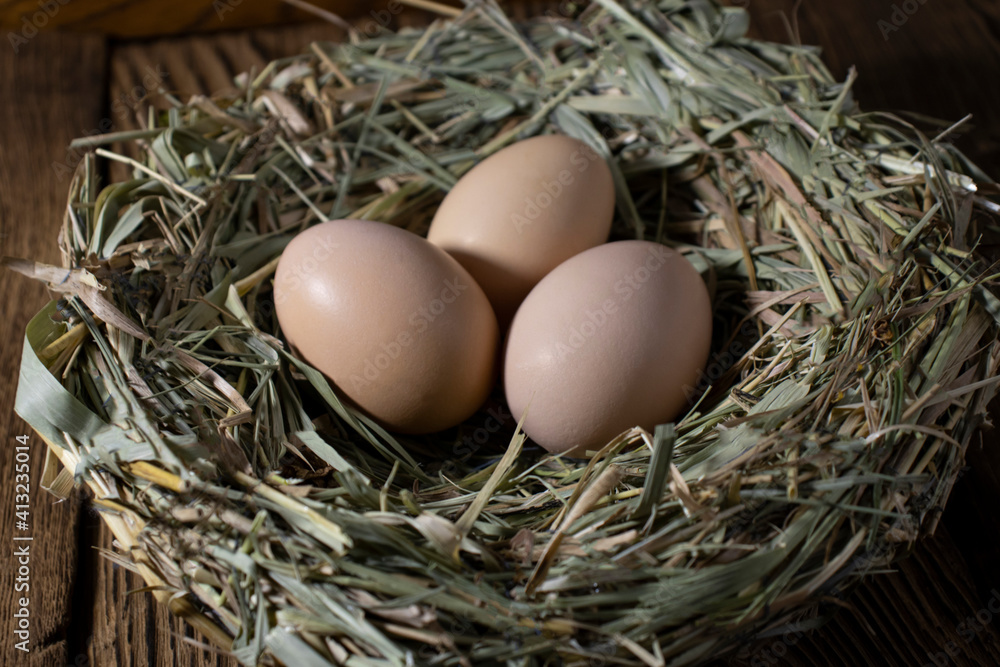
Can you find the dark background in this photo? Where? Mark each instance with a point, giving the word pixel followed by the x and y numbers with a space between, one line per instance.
pixel 82 72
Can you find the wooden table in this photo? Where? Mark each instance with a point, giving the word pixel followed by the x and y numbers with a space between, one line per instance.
pixel 942 60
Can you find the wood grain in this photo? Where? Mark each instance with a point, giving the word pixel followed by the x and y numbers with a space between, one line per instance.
pixel 51 93
pixel 871 630
pixel 134 631
pixel 937 63
pixel 127 628
pixel 900 619
pixel 150 18
pixel 940 62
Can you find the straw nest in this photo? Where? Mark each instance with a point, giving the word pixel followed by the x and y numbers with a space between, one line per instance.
pixel 855 350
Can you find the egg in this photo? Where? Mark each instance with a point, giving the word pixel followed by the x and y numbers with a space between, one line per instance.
pixel 613 338
pixel 523 211
pixel 398 326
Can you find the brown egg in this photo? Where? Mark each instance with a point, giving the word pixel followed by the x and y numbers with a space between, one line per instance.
pixel 398 325
pixel 613 338
pixel 522 212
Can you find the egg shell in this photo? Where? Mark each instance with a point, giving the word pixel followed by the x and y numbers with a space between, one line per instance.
pixel 399 327
pixel 522 212
pixel 613 338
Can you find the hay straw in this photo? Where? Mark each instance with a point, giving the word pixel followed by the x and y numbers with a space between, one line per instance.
pixel 855 350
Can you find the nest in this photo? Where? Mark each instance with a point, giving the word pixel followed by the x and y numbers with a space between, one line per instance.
pixel 855 350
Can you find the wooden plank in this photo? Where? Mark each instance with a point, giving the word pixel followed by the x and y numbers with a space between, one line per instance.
pixel 153 18
pixel 896 619
pixel 149 18
pixel 127 627
pixel 937 61
pixel 934 62
pixel 51 93
pixel 131 630
pixel 927 607
pixel 886 621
